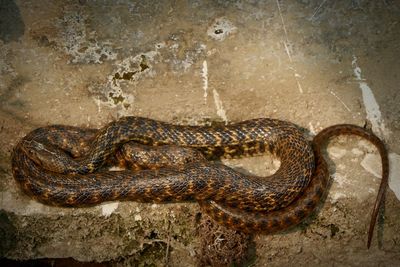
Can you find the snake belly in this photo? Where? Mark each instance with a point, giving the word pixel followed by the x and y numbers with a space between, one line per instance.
pixel 245 202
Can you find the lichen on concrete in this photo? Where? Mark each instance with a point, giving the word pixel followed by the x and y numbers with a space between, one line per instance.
pixel 80 45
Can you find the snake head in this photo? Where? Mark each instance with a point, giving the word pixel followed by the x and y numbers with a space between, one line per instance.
pixel 47 156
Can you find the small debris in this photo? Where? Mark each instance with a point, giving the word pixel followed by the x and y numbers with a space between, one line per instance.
pixel 220 29
pixel 109 208
pixel 138 217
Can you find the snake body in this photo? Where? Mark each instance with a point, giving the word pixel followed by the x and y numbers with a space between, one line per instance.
pixel 62 165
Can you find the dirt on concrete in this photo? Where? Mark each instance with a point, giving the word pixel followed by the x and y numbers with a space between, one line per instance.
pixel 314 63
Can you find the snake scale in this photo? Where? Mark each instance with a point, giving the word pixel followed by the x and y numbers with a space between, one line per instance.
pixel 65 166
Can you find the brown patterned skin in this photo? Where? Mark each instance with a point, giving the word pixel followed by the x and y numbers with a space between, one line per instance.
pixel 196 182
pixel 307 202
pixel 138 157
pixel 243 202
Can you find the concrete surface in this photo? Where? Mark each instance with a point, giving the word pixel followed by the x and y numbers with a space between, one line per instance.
pixel 315 63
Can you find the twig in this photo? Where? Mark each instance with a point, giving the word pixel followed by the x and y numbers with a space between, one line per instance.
pixel 168 242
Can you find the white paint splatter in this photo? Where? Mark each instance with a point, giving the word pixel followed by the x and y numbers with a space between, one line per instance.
pixel 378 126
pixel 98 103
pixel 220 109
pixel 372 164
pixel 371 106
pixel 217 100
pixel 108 208
pixel 394 174
pixel 299 86
pixel 204 74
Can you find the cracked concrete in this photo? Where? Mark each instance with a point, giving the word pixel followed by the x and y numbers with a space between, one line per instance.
pixel 315 63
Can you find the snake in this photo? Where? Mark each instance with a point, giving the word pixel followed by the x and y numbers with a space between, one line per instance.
pixel 67 166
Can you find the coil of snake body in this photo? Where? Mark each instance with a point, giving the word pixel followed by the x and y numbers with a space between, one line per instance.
pixel 63 165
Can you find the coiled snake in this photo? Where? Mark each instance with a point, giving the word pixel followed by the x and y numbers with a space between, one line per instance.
pixel 64 165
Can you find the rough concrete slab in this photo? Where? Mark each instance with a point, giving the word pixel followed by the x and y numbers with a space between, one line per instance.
pixel 315 63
